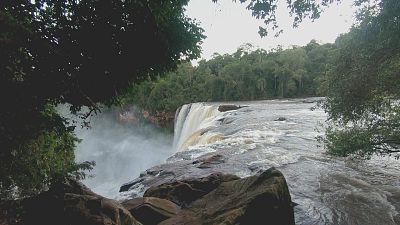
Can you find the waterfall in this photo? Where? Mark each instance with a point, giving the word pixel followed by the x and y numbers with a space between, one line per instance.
pixel 180 117
pixel 190 121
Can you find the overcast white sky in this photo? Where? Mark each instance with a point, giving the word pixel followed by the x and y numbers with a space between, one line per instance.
pixel 228 25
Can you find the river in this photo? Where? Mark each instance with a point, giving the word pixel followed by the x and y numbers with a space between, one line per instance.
pixel 261 134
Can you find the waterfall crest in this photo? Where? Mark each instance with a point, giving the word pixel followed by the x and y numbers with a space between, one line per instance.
pixel 190 122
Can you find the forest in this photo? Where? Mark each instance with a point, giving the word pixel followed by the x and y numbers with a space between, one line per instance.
pixel 99 53
pixel 248 74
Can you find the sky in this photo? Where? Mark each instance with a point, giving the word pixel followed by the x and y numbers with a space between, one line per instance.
pixel 228 25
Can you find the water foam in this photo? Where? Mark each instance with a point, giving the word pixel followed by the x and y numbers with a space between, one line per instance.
pixel 191 124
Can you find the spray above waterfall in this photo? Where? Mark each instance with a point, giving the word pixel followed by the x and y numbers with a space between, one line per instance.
pixel 121 151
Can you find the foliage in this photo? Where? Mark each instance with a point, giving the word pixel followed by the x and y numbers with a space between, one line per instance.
pixel 37 163
pixel 79 52
pixel 298 9
pixel 246 74
pixel 364 85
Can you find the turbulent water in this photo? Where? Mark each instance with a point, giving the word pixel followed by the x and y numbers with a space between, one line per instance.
pixel 281 133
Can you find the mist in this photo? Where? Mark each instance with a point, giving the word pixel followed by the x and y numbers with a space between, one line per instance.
pixel 121 151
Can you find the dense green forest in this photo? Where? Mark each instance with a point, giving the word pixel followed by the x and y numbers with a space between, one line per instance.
pixel 364 85
pixel 359 75
pixel 247 74
pixel 89 53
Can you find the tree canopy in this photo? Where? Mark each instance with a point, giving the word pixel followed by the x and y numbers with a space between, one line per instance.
pixel 298 10
pixel 247 74
pixel 77 52
pixel 364 85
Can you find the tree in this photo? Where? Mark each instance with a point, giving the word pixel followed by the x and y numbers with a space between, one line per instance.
pixel 298 9
pixel 243 75
pixel 320 60
pixel 78 52
pixel 364 85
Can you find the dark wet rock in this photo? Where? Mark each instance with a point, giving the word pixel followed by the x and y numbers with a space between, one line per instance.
pixel 208 161
pixel 224 108
pixel 281 119
pixel 226 120
pixel 10 212
pixel 127 186
pixel 178 192
pixel 254 167
pixel 166 173
pixel 153 172
pixel 259 199
pixel 185 192
pixel 150 210
pixel 143 176
pixel 180 167
pixel 69 202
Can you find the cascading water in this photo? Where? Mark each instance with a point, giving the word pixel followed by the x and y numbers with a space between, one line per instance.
pixel 282 133
pixel 180 117
pixel 190 123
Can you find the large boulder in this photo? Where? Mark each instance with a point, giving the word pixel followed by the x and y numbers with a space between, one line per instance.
pixel 151 211
pixel 69 203
pixel 280 119
pixel 185 192
pixel 225 108
pixel 260 199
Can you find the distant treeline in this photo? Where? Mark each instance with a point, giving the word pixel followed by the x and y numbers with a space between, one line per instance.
pixel 247 74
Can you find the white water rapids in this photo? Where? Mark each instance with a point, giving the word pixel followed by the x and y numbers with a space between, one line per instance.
pixel 192 119
pixel 327 189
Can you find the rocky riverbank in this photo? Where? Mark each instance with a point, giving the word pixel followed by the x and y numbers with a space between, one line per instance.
pixel 132 115
pixel 216 199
